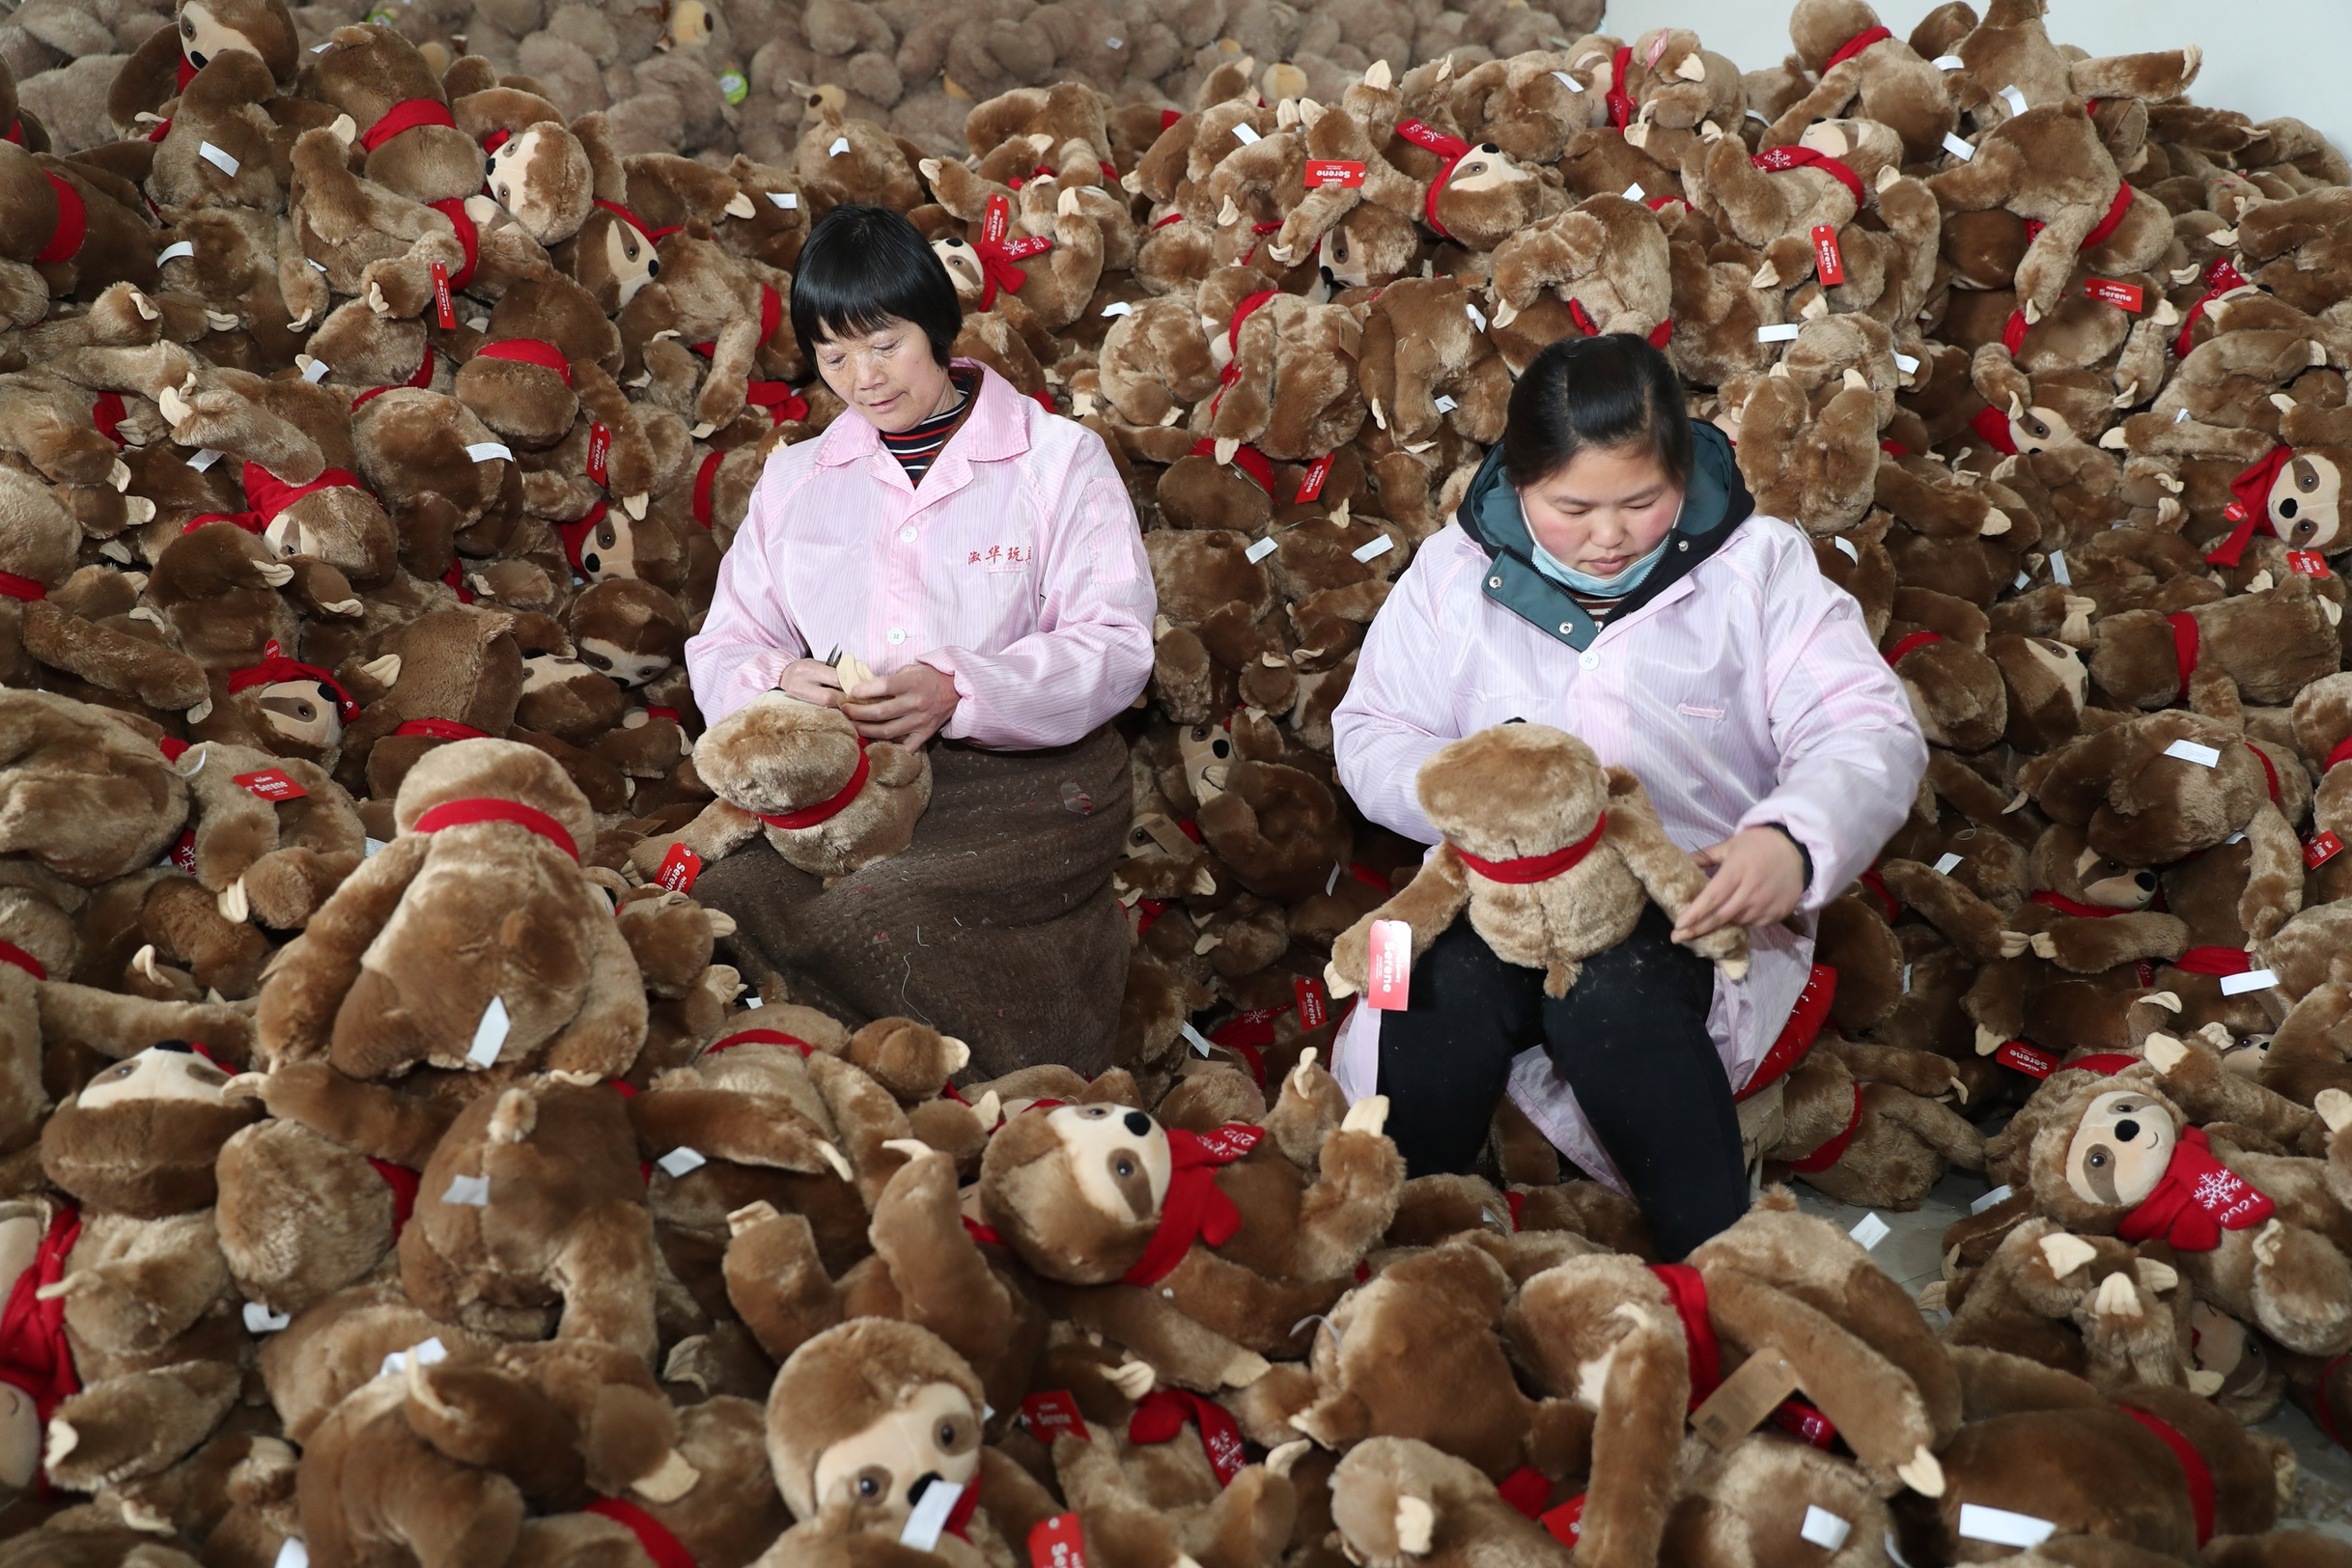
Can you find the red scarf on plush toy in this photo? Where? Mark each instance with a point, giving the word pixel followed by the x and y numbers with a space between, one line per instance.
pixel 34 1353
pixel 1196 1208
pixel 2197 1200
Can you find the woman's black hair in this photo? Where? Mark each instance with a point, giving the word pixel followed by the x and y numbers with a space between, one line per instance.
pixel 1612 392
pixel 862 265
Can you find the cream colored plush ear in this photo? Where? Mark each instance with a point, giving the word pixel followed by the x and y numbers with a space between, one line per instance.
pixel 1691 70
pixel 2116 1298
pixel 1417 1525
pixel 2066 1253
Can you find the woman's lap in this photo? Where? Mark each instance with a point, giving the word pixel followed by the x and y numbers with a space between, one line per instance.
pixel 996 925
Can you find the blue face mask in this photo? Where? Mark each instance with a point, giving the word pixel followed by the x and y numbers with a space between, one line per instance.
pixel 1616 587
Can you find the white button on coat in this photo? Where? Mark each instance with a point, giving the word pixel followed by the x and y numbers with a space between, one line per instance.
pixel 898 634
pixel 1588 660
pixel 907 534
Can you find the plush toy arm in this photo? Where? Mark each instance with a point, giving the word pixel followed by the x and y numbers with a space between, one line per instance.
pixel 1671 878
pixel 234 826
pixel 713 835
pixel 605 1035
pixel 311 974
pixel 116 1023
pixel 139 1303
pixel 2088 946
pixel 629 467
pixel 142 1422
pixel 2274 878
pixel 894 766
pixel 301 285
pixel 1973 925
pixel 1015 1501
pixel 1428 904
pixel 320 589
pixel 1310 1106
pixel 1922 1071
pixel 1178 1349
pixel 115 661
pixel 722 1125
pixel 605 1272
pixel 2196 1081
pixel 376 1121
pixel 1644 1398
pixel 776 1280
pixel 723 393
pixel 1360 1178
pixel 1828 100
pixel 944 1282
pixel 1934 1124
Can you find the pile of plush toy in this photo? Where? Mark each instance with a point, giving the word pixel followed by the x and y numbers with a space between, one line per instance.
pixel 389 1175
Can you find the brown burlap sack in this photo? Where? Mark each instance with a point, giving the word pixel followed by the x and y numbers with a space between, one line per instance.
pixel 997 925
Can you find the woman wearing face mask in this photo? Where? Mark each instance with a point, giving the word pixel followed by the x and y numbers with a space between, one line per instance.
pixel 981 555
pixel 1606 574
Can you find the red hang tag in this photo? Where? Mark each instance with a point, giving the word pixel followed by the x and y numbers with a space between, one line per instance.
pixel 1314 1006
pixel 2123 296
pixel 2027 1059
pixel 184 853
pixel 270 784
pixel 1312 484
pixel 1828 259
pixel 271 650
pixel 679 869
pixel 1050 1415
pixel 600 450
pixel 1389 969
pixel 1057 1543
pixel 2320 848
pixel 444 311
pixel 2307 563
pixel 2234 512
pixel 999 220
pixel 1795 1416
pixel 1565 1523
pixel 1658 47
pixel 1322 172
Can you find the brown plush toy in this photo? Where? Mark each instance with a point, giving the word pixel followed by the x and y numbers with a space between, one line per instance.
pixel 1863 69
pixel 485 862
pixel 273 836
pixel 2269 644
pixel 829 802
pixel 1551 855
pixel 84 793
pixel 1397 1502
pixel 1199 1252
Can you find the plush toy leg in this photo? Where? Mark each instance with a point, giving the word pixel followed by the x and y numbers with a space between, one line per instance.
pixel 138 1423
pixel 776 1281
pixel 606 1271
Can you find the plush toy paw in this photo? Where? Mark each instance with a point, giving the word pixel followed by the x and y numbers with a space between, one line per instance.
pixel 2169 1000
pixel 1367 1115
pixel 2335 1107
pixel 911 1148
pixel 1417 1525
pixel 834 1158
pixel 2066 1253
pixel 2268 1243
pixel 2204 1384
pixel 2116 1299
pixel 2164 1052
pixel 1282 1457
pixel 2156 1276
pixel 2044 945
pixel 1133 1378
pixel 1245 1369
pixel 1922 1474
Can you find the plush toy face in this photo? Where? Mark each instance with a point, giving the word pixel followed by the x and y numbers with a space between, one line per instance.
pixel 203 36
pixel 2065 664
pixel 2305 501
pixel 631 670
pixel 931 1435
pixel 2247 1057
pixel 632 259
pixel 691 26
pixel 526 176
pixel 1118 1160
pixel 1207 750
pixel 158 1074
pixel 302 712
pixel 2119 1149
pixel 610 549
pixel 963 264
pixel 2112 884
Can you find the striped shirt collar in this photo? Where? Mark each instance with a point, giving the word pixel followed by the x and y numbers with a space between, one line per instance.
pixel 998 425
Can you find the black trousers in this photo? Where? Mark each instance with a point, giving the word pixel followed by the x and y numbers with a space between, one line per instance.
pixel 1631 1038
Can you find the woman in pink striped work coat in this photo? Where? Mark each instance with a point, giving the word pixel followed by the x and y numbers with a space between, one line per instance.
pixel 1606 574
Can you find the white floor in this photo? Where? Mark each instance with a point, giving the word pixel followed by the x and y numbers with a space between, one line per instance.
pixel 1913 1251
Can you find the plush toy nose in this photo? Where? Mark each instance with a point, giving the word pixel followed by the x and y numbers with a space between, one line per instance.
pixel 2147 881
pixel 1489 146
pixel 922 1484
pixel 652 268
pixel 2286 506
pixel 2128 1132
pixel 1138 1123
pixel 196 58
pixel 490 166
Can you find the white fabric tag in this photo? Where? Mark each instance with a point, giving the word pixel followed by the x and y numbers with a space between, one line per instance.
pixel 930 1515
pixel 841 144
pixel 468 1192
pixel 225 162
pixel 1634 192
pixel 1824 1529
pixel 2235 984
pixel 1906 364
pixel 259 1320
pixel 292 1553
pixel 680 1160
pixel 1948 62
pixel 315 266
pixel 1906 979
pixel 1244 133
pixel 1258 551
pixel 1869 1231
pixel 425 1352
pixel 2016 100
pixel 1332 880
pixel 369 848
pixel 1476 316
pixel 2003 1527
pixel 2057 569
pixel 490 1034
pixel 2190 751
pixel 1569 82
pixel 1845 548
pixel 1446 404
pixel 1374 548
pixel 1199 1042
pixel 755 1001
pixel 1958 148
pixel 1114 44
pixel 1786 333
pixel 174 251
pixel 202 458
pixel 785 199
pixel 1118 307
pixel 484 451
pixel 315 372
pixel 1999 1194
pixel 1947 865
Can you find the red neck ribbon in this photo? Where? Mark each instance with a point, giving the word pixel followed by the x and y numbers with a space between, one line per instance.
pixel 454 209
pixel 664 1549
pixel 2220 278
pixel 2187 636
pixel 530 352
pixel 2193 1467
pixel 1453 149
pixel 404 1183
pixel 1877 884
pixel 2250 513
pixel 441 728
pixel 827 809
pixel 1793 157
pixel 421 379
pixel 106 413
pixel 271 671
pixel 35 1355
pixel 1916 639
pixel 1535 868
pixel 2342 752
pixel 10 953
pixel 1621 105
pixel 268 495
pixel 24 588
pixel 2067 906
pixel 1196 1208
pixel 2115 211
pixel 704 477
pixel 653 235
pixel 15 132
pixel 2197 1200
pixel 1163 1414
pixel 960 1518
pixel 575 534
pixel 407 115
pixel 771 316
pixel 1993 424
pixel 2214 961
pixel 1798 1035
pixel 1247 458
pixel 1830 1153
pixel 780 401
pixel 1659 336
pixel 758 1037
pixel 72 222
pixel 1854 46
pixel 459 813
pixel 2270 773
pixel 1686 1287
